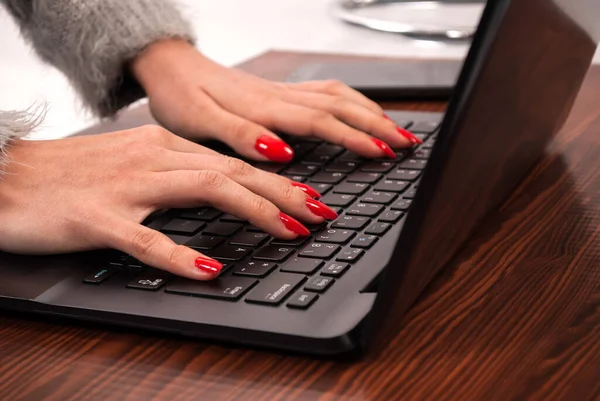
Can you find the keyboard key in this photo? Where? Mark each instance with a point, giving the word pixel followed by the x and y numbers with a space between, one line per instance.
pixel 301 265
pixel 334 269
pixel 421 154
pixel 229 288
pixel 302 300
pixel 349 255
pixel 377 167
pixel 204 242
pixel 328 177
pixel 391 216
pixel 254 229
pixel 382 198
pixel 254 268
pixel 364 241
pixel 403 175
pixel 342 166
pixel 232 218
pixel 319 284
pixel 361 176
pixel 410 194
pixel 269 167
pixel 351 222
pixel 313 228
pixel 391 186
pixel 321 188
pixel 425 127
pixel 328 149
pixel 181 226
pixel 222 228
pixel 378 228
pixel 319 250
pixel 297 178
pixel 336 236
pixel 402 204
pixel 301 148
pixel 101 274
pixel 178 239
pixel 248 238
pixel 352 188
pixel 292 243
pixel 365 209
pixel 203 214
pixel 319 160
pixel 273 252
pixel 273 289
pixel 413 164
pixel 229 252
pixel 302 169
pixel 349 156
pixel 337 199
pixel 150 281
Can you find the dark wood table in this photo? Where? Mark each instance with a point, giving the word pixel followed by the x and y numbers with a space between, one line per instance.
pixel 516 315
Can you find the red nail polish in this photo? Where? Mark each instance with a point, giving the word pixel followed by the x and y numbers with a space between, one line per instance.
pixel 409 135
pixel 307 190
pixel 274 149
pixel 321 209
pixel 208 265
pixel 385 147
pixel 386 116
pixel 293 225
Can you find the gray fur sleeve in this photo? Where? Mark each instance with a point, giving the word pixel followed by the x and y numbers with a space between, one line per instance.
pixel 15 125
pixel 92 41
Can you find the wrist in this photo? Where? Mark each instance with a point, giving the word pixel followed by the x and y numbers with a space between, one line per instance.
pixel 161 60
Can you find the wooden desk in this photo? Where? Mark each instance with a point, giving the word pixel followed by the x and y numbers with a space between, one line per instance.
pixel 516 315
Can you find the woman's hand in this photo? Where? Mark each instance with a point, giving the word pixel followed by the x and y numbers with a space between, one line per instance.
pixel 92 192
pixel 198 99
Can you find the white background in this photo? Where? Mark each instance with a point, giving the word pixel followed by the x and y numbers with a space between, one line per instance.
pixel 229 31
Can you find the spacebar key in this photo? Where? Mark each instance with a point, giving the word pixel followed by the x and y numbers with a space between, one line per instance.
pixel 275 288
pixel 229 288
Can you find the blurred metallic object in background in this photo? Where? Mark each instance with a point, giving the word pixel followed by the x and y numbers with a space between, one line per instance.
pixel 447 20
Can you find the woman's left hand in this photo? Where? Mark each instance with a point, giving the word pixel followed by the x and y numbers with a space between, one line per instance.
pixel 199 99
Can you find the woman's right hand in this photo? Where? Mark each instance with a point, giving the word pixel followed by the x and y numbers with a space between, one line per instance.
pixel 93 192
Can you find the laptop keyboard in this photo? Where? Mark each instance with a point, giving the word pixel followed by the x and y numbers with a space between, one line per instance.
pixel 370 197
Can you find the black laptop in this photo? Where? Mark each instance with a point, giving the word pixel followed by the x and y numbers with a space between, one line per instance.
pixel 400 220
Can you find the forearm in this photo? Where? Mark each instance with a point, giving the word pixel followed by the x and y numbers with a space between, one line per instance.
pixel 93 41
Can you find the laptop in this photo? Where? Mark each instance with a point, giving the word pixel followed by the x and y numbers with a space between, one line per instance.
pixel 401 221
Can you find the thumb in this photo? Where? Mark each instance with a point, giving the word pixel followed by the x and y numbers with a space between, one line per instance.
pixel 157 250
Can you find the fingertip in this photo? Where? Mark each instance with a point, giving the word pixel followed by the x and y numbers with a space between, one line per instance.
pixel 274 149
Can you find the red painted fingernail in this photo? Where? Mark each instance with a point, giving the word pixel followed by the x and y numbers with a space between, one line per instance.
pixel 321 209
pixel 274 149
pixel 386 116
pixel 208 265
pixel 293 225
pixel 307 190
pixel 385 147
pixel 409 135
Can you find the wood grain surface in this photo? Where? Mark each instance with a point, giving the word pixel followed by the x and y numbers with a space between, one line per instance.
pixel 516 315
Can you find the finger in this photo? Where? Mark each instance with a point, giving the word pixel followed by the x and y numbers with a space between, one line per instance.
pixel 300 120
pixel 352 114
pixel 292 198
pixel 157 250
pixel 187 188
pixel 337 88
pixel 245 137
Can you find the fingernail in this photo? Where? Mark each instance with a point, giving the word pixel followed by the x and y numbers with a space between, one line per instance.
pixel 307 190
pixel 274 149
pixel 293 225
pixel 409 135
pixel 386 116
pixel 208 265
pixel 321 209
pixel 385 147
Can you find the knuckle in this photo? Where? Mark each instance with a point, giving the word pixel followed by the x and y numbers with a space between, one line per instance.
pixel 238 130
pixel 211 180
pixel 155 133
pixel 261 206
pixel 288 192
pixel 143 241
pixel 238 167
pixel 334 85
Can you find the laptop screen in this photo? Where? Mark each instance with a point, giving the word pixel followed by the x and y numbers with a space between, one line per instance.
pixel 519 82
